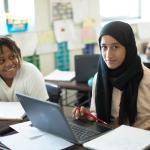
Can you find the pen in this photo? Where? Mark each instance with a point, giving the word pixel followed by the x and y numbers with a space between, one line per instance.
pixel 88 114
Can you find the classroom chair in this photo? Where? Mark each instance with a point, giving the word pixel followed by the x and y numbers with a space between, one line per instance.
pixel 54 93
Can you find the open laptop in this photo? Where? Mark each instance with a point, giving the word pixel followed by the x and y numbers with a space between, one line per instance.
pixel 85 67
pixel 49 117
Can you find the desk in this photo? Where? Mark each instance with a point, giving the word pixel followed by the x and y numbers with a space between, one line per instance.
pixel 81 122
pixel 4 126
pixel 71 85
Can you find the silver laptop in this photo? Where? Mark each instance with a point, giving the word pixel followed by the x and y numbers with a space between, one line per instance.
pixel 49 117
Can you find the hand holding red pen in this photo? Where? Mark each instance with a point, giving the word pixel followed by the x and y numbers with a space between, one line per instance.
pixel 79 112
pixel 83 112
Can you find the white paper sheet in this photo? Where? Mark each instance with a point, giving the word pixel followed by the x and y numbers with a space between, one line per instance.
pixel 30 138
pixel 121 138
pixel 45 142
pixel 78 7
pixel 46 42
pixel 63 29
pixel 27 42
pixel 61 75
pixel 11 110
pixel 27 130
pixel 75 38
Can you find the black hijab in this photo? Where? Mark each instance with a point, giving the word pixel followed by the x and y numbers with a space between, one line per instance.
pixel 126 78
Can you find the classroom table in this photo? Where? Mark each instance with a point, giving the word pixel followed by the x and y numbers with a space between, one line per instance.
pixel 4 125
pixel 6 130
pixel 71 85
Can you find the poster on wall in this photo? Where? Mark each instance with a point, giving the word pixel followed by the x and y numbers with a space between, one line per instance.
pixel 46 42
pixel 23 40
pixel 62 30
pixel 66 31
pixel 61 9
pixel 80 10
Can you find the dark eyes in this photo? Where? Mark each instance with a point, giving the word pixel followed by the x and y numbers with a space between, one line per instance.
pixel 103 47
pixel 11 57
pixel 2 61
pixel 113 47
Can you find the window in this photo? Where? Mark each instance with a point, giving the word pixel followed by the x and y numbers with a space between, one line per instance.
pixel 120 9
pixel 25 9
pixel 18 9
pixel 3 29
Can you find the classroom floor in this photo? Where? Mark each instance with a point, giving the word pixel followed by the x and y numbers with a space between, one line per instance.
pixel 69 103
pixel 67 110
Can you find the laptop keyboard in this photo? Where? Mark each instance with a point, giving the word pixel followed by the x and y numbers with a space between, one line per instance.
pixel 82 133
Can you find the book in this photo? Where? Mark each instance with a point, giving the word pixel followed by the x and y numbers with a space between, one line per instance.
pixel 121 138
pixel 11 111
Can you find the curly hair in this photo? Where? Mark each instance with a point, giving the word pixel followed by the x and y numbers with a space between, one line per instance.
pixel 5 41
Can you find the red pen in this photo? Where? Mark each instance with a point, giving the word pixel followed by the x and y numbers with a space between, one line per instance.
pixel 88 114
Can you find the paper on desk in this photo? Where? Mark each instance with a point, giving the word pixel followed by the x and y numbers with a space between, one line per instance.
pixel 61 75
pixel 47 142
pixel 11 110
pixel 121 138
pixel 27 130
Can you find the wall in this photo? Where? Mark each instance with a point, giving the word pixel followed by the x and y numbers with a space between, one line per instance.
pixel 42 19
pixel 93 9
pixel 43 24
pixel 47 61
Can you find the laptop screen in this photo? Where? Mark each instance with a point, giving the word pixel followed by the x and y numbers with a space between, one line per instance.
pixel 49 117
pixel 85 67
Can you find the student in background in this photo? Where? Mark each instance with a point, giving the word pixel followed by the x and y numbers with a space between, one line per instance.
pixel 147 51
pixel 121 87
pixel 17 75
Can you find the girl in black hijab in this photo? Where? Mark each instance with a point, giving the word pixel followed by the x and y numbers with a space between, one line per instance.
pixel 122 83
pixel 126 77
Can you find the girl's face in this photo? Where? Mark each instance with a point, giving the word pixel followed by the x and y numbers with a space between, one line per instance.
pixel 112 51
pixel 9 64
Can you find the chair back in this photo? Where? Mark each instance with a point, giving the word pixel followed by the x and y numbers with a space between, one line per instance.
pixel 85 67
pixel 54 92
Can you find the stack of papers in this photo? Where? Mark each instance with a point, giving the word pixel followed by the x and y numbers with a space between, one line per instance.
pixel 122 138
pixel 58 75
pixel 11 111
pixel 31 138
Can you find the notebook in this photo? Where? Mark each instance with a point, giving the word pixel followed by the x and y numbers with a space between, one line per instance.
pixel 85 67
pixel 49 117
pixel 122 138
